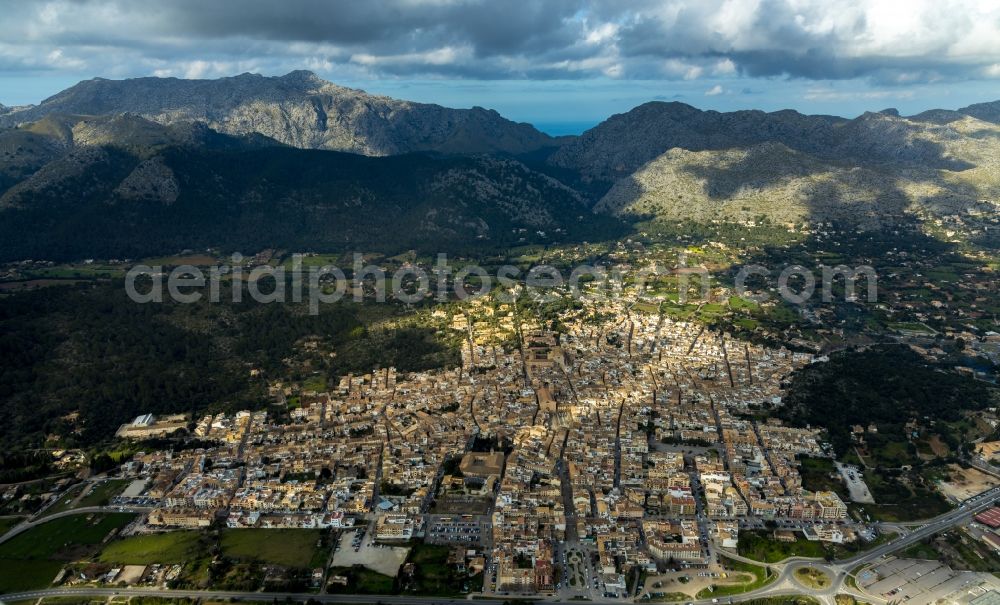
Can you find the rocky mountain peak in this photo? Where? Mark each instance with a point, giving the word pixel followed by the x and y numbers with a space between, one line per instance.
pixel 303 76
pixel 299 109
pixel 988 112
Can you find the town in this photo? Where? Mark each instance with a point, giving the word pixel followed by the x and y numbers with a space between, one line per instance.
pixel 594 448
pixel 573 464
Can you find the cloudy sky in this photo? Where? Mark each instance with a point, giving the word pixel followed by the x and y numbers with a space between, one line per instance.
pixel 563 64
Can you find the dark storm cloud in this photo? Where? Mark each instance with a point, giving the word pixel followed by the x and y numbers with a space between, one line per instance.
pixel 489 39
pixel 493 27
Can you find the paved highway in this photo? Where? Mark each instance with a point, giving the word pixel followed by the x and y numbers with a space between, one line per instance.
pixel 968 508
pixel 838 571
pixel 770 590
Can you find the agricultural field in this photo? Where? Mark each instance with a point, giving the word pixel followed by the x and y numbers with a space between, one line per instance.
pixel 32 559
pixel 361 580
pixel 167 548
pixel 64 539
pixel 18 574
pixel 912 327
pixel 197 260
pixel 6 523
pixel 315 383
pixel 78 271
pixel 286 547
pixel 320 260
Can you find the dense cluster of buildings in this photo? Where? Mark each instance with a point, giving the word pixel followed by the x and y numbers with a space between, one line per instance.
pixel 626 433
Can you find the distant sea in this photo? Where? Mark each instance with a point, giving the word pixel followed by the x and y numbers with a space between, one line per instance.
pixel 560 128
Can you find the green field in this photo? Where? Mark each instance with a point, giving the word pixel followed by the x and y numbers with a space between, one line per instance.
pixel 168 548
pixel 742 304
pixel 899 501
pixel 819 474
pixel 32 559
pixel 361 580
pixel 17 575
pixel 136 600
pixel 101 494
pixel 433 575
pixel 759 546
pixel 649 308
pixel 315 383
pixel 320 260
pixel 287 547
pixel 911 327
pixel 812 578
pixel 922 550
pixel 63 539
pixel 198 260
pixel 94 271
pixel 7 523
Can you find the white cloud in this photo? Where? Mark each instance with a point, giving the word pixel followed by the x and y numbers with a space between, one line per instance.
pixel 725 67
pixel 202 69
pixel 829 94
pixel 438 56
pixel 58 59
pixel 680 69
pixel 602 34
pixel 715 91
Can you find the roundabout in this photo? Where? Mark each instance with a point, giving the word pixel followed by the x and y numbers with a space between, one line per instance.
pixel 811 578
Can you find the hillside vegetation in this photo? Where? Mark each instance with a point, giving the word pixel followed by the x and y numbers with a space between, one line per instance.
pixel 125 187
pixel 786 185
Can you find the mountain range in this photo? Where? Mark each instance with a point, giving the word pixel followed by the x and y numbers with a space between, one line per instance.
pixel 122 186
pixel 133 167
pixel 297 109
pixel 621 144
pixel 873 171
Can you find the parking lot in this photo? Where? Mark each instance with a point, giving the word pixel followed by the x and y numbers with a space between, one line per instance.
pixel 922 582
pixel 383 559
pixel 444 531
pixel 855 483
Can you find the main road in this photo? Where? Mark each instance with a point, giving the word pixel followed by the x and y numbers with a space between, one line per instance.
pixel 839 571
pixel 26 525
